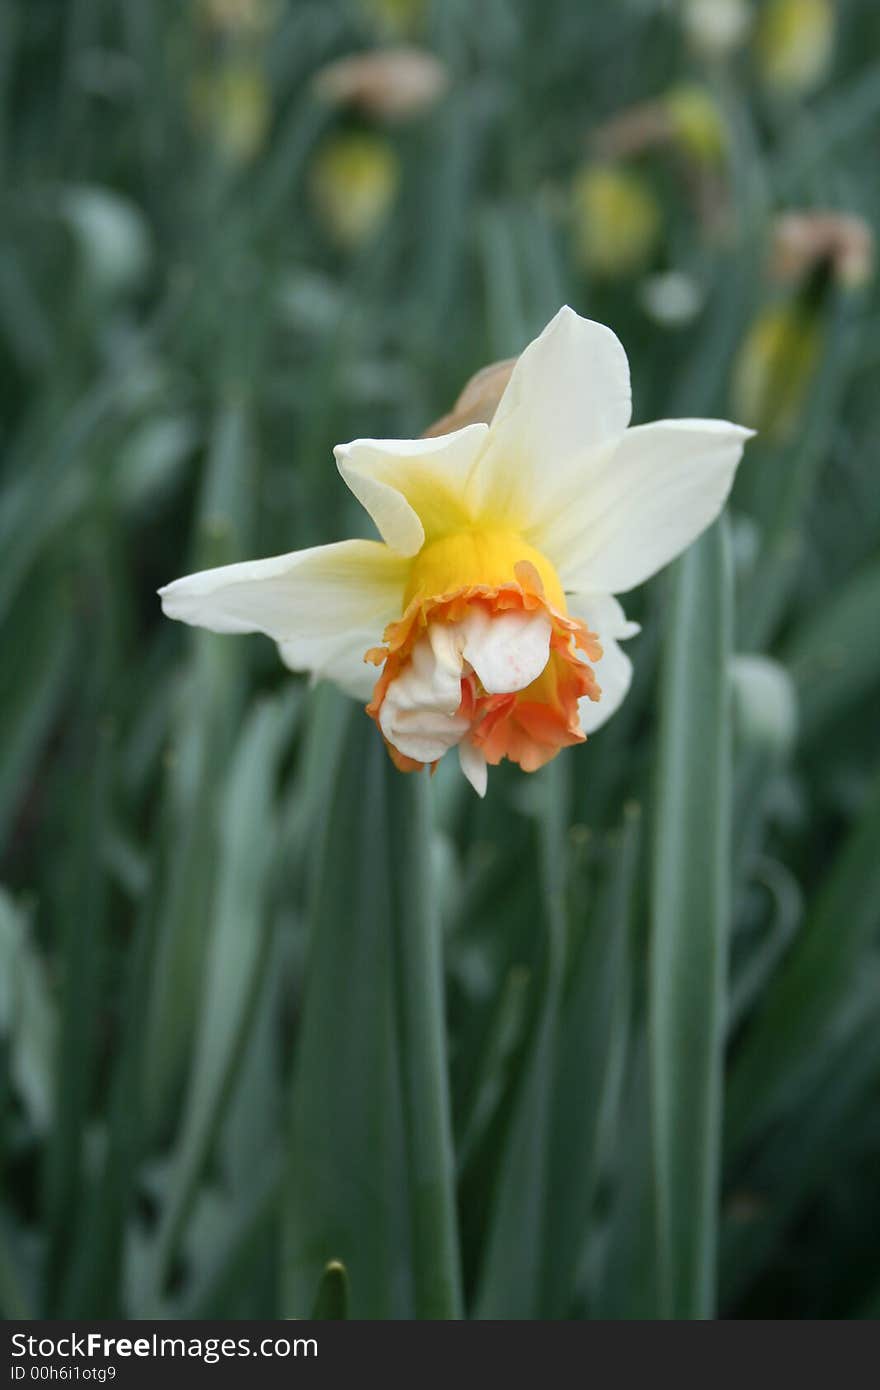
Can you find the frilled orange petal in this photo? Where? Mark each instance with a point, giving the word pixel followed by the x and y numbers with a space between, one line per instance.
pixel 531 726
pixel 528 727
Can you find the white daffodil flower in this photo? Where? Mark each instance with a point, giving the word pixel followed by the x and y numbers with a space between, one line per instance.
pixel 489 602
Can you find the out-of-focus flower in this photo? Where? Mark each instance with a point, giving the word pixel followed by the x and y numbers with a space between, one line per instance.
pixel 354 181
pixel 488 605
pixel 231 105
pixel 397 17
pixel 696 124
pixel 239 18
pixel 803 240
pixel 616 220
pixel 686 117
pixel 795 44
pixel 716 27
pixel 390 84
pixel 775 366
pixel 632 131
pixel 671 297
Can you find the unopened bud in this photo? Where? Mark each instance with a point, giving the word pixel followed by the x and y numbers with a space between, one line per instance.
pixel 388 84
pixel 697 126
pixel 794 44
pixel 396 17
pixel 232 106
pixel 616 220
pixel 238 18
pixel 354 181
pixel 774 368
pixel 804 240
pixel 478 401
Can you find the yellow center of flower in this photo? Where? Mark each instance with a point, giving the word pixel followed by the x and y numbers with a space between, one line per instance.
pixel 472 557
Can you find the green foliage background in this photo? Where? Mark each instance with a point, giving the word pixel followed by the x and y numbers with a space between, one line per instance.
pixel 224 1032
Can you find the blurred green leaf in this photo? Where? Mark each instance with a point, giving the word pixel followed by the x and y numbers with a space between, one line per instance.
pixel 792 1167
pixel 501 1048
pixel 28 1023
pixel 803 1001
pixel 592 1047
pixel 15 1299
pixel 236 955
pixel 31 690
pixel 834 655
pixel 208 708
pixel 82 948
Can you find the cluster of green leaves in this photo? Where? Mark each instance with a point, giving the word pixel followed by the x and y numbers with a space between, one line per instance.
pixel 604 1045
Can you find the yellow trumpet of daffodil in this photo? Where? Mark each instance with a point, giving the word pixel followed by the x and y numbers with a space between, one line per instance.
pixel 485 620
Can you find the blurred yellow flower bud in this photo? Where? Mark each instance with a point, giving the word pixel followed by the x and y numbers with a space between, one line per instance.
pixel 354 181
pixel 802 240
pixel 775 366
pixel 716 27
pixel 794 44
pixel 697 124
pixel 232 106
pixel 238 17
pixel 616 220
pixel 397 17
pixel 389 84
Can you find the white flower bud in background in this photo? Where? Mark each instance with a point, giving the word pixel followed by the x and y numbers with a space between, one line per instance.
pixel 715 28
pixel 111 236
pixel 765 704
pixel 671 298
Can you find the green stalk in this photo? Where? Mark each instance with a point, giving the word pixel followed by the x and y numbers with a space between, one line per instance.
pixel 422 1035
pixel 690 915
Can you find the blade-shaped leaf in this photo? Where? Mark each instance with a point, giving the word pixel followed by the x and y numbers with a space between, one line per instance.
pixel 369 1162
pixel 689 924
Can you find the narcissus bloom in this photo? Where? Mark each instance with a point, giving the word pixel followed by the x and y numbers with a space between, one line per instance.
pixel 485 619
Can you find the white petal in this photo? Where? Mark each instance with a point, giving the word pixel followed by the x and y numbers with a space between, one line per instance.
pixel 614 674
pixel 604 616
pixel 474 766
pixel 412 487
pixel 643 504
pixel 507 651
pixel 324 607
pixel 569 396
pixel 418 715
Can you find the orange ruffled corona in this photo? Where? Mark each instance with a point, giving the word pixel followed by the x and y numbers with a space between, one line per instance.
pixel 529 726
